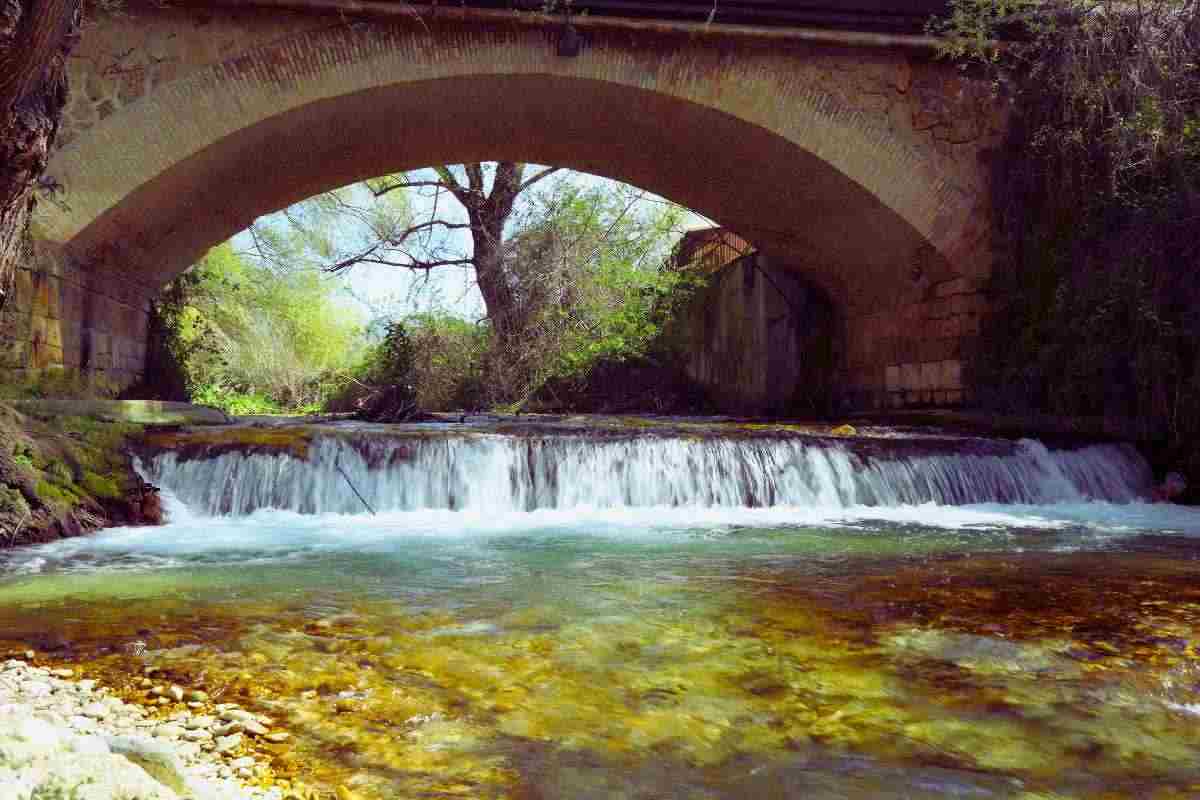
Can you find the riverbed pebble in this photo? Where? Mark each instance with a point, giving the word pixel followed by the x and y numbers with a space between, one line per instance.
pixel 254 727
pixel 59 734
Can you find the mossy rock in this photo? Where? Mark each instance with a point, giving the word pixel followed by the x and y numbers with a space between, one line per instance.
pixel 56 496
pixel 59 472
pixel 207 442
pixel 11 502
pixel 138 412
pixel 100 487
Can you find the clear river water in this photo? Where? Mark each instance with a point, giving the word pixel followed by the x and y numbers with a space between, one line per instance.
pixel 654 612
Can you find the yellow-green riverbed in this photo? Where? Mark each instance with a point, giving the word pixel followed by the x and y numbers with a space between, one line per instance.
pixel 874 660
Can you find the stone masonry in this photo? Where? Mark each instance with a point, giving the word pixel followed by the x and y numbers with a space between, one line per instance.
pixel 865 169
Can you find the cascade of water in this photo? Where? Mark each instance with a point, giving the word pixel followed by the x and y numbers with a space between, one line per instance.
pixel 493 473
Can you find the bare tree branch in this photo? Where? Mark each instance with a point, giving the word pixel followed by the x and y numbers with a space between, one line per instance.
pixel 420 265
pixel 548 171
pixel 391 187
pixel 396 241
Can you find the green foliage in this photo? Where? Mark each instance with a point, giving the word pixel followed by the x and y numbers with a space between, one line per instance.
pixel 1100 201
pixel 23 456
pixel 59 472
pixel 384 391
pixel 1108 92
pixel 590 264
pixel 253 341
pixel 448 360
pixel 392 361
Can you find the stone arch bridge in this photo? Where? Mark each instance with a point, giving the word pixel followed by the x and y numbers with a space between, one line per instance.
pixel 857 159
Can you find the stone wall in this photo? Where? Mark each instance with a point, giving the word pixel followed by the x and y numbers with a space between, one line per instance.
pixel 913 355
pixel 760 340
pixel 763 340
pixel 63 317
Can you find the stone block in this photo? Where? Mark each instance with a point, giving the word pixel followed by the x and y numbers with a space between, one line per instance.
pixel 52 333
pixel 98 349
pixel 967 303
pixel 22 298
pixel 46 298
pixel 15 325
pixel 938 309
pixel 892 378
pixel 948 327
pixel 953 287
pixel 938 349
pixel 907 349
pixel 51 356
pixel 931 376
pixel 951 374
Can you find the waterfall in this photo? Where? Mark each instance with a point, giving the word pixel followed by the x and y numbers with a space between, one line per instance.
pixel 497 473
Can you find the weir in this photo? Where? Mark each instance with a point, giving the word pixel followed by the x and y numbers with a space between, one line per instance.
pixel 492 472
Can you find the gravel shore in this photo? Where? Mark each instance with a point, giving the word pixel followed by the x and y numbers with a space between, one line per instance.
pixel 70 739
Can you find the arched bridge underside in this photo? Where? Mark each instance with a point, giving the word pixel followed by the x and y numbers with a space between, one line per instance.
pixel 863 167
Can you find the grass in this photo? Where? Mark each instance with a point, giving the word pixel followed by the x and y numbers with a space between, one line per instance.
pixel 242 404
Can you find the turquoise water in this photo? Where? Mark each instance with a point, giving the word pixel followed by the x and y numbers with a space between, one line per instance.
pixel 707 650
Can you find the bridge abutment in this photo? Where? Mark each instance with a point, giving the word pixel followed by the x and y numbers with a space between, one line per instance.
pixel 88 323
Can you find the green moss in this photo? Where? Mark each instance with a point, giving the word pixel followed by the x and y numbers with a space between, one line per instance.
pixel 11 502
pixel 101 487
pixel 56 496
pixel 294 440
pixel 56 382
pixel 59 472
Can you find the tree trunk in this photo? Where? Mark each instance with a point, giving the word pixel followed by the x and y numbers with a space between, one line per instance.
pixel 498 296
pixel 35 39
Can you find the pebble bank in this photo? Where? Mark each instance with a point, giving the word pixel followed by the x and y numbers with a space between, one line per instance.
pixel 70 739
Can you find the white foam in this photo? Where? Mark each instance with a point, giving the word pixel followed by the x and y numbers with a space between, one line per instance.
pixel 502 474
pixel 270 535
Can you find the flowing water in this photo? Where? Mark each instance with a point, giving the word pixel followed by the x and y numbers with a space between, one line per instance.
pixel 667 613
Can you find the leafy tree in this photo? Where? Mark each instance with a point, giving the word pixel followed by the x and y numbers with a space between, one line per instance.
pixel 590 263
pixel 448 360
pixel 256 340
pixel 569 268
pixel 389 374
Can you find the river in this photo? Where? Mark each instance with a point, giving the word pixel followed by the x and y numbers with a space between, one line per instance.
pixel 657 612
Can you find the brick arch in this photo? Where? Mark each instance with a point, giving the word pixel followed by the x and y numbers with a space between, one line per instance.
pixel 260 113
